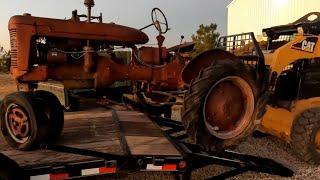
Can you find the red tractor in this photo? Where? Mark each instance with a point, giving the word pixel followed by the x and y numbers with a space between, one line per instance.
pixel 80 54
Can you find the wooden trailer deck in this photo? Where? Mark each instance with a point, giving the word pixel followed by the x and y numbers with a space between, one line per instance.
pixel 99 129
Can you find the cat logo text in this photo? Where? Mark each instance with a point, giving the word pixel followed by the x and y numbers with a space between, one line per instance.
pixel 307 45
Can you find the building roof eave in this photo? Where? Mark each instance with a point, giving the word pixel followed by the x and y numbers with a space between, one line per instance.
pixel 231 3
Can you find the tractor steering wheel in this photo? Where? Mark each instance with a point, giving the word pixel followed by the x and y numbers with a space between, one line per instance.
pixel 160 23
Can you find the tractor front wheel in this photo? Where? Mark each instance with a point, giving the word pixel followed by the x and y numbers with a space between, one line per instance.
pixel 30 118
pixel 305 136
pixel 20 121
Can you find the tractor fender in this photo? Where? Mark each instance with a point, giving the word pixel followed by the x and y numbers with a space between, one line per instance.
pixel 203 60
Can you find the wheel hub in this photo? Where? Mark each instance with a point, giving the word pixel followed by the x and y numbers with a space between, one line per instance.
pixel 17 123
pixel 228 107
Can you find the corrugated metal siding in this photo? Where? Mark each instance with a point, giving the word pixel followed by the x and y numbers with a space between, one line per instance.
pixel 254 15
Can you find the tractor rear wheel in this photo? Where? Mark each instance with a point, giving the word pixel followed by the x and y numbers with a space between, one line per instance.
pixel 305 136
pixel 220 104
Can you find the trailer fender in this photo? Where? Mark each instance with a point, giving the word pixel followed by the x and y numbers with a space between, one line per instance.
pixel 203 60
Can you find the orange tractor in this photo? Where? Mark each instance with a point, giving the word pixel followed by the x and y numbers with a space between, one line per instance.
pixel 80 54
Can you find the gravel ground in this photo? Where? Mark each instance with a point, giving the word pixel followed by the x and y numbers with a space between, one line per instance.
pixel 277 150
pixel 269 147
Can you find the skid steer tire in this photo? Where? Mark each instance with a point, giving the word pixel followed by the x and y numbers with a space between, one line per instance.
pixel 304 134
pixel 54 115
pixel 193 115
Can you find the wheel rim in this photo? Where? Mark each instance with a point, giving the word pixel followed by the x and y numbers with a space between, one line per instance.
pixel 17 123
pixel 228 107
pixel 318 141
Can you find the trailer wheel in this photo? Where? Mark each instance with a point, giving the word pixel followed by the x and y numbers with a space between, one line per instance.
pixel 219 107
pixel 20 121
pixel 305 136
pixel 53 111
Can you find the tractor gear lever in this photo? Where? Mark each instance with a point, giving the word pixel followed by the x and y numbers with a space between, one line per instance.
pixel 182 37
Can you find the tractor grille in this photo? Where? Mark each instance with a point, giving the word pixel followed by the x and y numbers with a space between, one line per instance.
pixel 14 48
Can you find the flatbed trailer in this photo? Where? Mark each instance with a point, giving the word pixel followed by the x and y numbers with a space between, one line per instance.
pixel 101 141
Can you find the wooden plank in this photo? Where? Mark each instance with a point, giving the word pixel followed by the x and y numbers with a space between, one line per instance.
pixel 140 129
pixel 94 113
pixel 134 118
pixel 142 145
pixel 143 136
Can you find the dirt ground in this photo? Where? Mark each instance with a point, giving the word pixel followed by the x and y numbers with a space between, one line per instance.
pixel 7 85
pixel 269 147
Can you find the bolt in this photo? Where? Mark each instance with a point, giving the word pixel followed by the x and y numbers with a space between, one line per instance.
pixel 216 128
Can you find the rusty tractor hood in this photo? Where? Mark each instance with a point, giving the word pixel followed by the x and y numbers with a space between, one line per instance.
pixel 112 33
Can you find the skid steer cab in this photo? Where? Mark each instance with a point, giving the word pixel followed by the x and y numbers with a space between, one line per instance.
pixel 243 82
pixel 221 104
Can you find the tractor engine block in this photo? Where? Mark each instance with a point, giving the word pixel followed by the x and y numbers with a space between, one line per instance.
pixel 68 51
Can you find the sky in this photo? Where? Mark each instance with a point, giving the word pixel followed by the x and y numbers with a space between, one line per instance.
pixel 184 16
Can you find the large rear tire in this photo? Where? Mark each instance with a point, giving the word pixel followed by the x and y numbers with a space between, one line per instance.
pixel 305 136
pixel 220 105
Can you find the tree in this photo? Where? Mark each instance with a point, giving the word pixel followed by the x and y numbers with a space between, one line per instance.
pixel 5 60
pixel 205 38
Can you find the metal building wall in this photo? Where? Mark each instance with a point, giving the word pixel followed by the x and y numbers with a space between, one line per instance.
pixel 254 15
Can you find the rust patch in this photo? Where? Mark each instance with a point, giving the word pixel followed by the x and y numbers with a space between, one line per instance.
pixel 225 106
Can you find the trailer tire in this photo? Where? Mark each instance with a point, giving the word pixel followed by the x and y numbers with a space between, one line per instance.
pixel 21 124
pixel 54 113
pixel 305 136
pixel 193 115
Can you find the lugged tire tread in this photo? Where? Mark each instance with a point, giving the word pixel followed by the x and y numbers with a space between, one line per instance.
pixel 192 109
pixel 303 132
